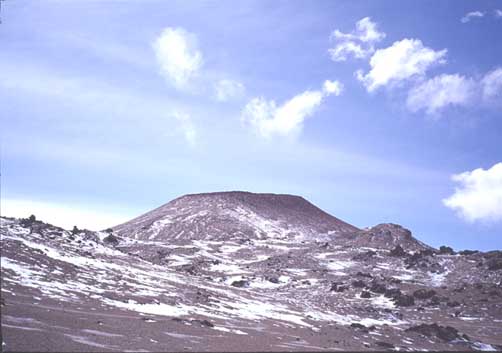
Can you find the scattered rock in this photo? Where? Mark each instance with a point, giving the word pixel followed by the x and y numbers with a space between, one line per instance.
pixel 378 287
pixel 495 264
pixel 241 283
pixel 363 274
pixel 364 256
pixel 204 322
pixel 404 300
pixel 445 333
pixel 398 251
pixel 446 250
pixel 111 239
pixel 424 293
pixel 384 345
pixel 338 287
pixel 273 279
pixel 468 252
pixel 358 283
pixel 365 294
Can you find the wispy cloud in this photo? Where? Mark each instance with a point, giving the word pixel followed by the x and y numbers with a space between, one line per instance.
pixel 178 55
pixel 226 90
pixel 470 15
pixel 187 127
pixel 441 91
pixel 401 61
pixel 359 43
pixel 479 197
pixel 497 13
pixel 447 90
pixel 492 85
pixel 268 119
pixel 96 97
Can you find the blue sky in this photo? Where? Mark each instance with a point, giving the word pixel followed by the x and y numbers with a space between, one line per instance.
pixel 374 111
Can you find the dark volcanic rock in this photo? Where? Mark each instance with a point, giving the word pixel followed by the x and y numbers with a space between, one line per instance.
pixel 404 300
pixel 112 239
pixel 495 264
pixel 468 252
pixel 240 283
pixel 338 287
pixel 424 293
pixel 446 250
pixel 364 256
pixel 383 236
pixel 385 345
pixel 365 294
pixel 398 251
pixel 358 284
pixel 445 333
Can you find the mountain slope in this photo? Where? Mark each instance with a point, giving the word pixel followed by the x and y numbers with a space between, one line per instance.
pixel 231 215
pixel 352 290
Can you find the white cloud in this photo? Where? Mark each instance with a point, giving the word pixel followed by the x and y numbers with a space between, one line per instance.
pixel 492 84
pixel 470 15
pixel 178 56
pixel 401 61
pixel 332 87
pixel 62 215
pixel 479 196
pixel 441 91
pixel 359 43
pixel 269 119
pixel 187 127
pixel 228 89
pixel 497 13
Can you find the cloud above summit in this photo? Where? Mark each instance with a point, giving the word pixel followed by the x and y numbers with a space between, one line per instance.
pixel 401 61
pixel 358 43
pixel 178 55
pixel 267 118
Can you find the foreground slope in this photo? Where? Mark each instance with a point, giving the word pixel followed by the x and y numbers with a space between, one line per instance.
pixel 92 291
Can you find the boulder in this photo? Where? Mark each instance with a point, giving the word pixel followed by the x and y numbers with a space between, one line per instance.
pixel 365 294
pixel 445 333
pixel 424 293
pixel 446 250
pixel 398 251
pixel 241 283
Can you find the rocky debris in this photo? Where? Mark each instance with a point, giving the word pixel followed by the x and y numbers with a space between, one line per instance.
pixel 445 333
pixel 204 322
pixel 362 328
pixel 240 283
pixel 383 236
pixel 273 279
pixel 404 300
pixel 338 287
pixel 424 293
pixel 446 250
pixel 398 251
pixel 364 256
pixel 384 345
pixel 358 284
pixel 468 252
pixel 494 264
pixel 365 294
pixel 111 239
pixel 364 274
pixel 378 287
